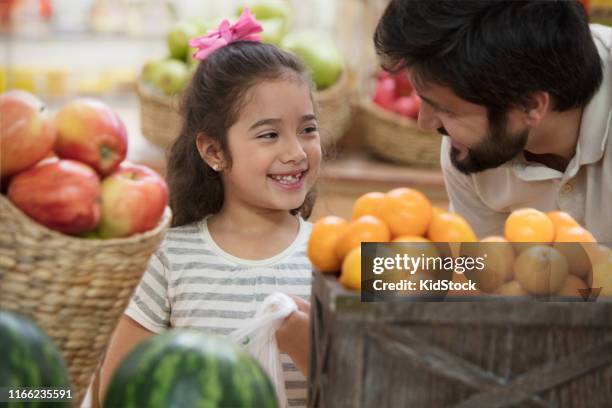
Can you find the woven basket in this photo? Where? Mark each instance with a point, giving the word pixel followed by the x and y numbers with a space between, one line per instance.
pixel 75 289
pixel 334 110
pixel 160 120
pixel 396 138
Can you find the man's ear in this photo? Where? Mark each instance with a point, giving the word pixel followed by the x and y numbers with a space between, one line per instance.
pixel 210 151
pixel 537 108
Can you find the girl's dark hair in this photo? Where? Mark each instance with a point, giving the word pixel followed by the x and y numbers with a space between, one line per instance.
pixel 494 53
pixel 211 105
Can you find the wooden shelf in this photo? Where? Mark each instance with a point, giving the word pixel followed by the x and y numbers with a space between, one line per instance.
pixel 354 172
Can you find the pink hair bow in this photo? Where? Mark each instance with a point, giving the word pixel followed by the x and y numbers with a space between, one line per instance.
pixel 245 29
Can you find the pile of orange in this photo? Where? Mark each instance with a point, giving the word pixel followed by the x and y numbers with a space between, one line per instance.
pixel 402 214
pixel 554 256
pixel 520 260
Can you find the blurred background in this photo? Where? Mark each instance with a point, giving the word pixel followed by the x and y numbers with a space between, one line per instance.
pixel 133 55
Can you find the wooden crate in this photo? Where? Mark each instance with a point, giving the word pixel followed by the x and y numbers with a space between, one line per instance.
pixel 506 353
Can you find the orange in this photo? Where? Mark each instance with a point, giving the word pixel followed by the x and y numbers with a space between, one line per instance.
pixel 529 225
pixel 322 243
pixel 351 269
pixel 574 234
pixel 561 219
pixel 494 238
pixel 406 211
pixel 450 227
pixel 512 288
pixel 461 291
pixel 368 204
pixel 436 211
pixel 497 259
pixel 410 238
pixel 602 278
pixel 599 254
pixel 572 286
pixel 541 270
pixel 366 228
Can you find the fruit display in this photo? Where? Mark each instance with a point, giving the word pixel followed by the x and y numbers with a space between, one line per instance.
pixel 540 254
pixel 184 368
pixel 26 131
pixel 395 93
pixel 91 132
pixel 319 54
pixel 80 182
pixel 274 16
pixel 123 194
pixel 170 75
pixel 63 195
pixel 30 359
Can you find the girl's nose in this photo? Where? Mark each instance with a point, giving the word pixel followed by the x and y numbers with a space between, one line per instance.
pixel 427 120
pixel 293 151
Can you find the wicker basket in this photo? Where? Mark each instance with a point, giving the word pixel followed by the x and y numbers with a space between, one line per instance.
pixel 75 289
pixel 160 120
pixel 398 139
pixel 334 110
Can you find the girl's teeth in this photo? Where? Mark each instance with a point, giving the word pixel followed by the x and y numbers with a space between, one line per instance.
pixel 287 179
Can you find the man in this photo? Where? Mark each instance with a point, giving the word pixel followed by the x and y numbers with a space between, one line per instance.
pixel 522 91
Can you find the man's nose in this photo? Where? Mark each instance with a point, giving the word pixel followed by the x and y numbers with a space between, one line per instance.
pixel 428 121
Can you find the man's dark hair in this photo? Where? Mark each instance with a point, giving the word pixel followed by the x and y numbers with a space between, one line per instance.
pixel 494 53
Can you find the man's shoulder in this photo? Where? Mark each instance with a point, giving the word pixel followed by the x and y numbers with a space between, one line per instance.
pixel 602 35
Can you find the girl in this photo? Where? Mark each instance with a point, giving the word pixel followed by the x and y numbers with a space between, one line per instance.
pixel 240 176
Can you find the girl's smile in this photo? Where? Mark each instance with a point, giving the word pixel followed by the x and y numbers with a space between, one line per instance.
pixel 291 181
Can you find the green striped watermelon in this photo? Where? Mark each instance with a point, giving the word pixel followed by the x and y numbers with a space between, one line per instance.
pixel 29 359
pixel 186 368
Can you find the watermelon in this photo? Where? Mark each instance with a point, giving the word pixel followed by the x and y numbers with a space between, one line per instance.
pixel 29 359
pixel 187 368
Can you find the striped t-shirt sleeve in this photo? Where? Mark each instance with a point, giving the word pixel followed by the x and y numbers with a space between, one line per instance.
pixel 150 303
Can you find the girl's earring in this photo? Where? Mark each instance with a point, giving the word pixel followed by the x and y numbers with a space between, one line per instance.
pixel 215 167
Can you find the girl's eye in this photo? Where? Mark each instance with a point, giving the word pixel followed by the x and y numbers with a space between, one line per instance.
pixel 270 135
pixel 310 129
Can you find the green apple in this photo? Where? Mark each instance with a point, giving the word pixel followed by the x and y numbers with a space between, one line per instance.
pixel 148 70
pixel 266 9
pixel 319 54
pixel 178 38
pixel 274 30
pixel 171 76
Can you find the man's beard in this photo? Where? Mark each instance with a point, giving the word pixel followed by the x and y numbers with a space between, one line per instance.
pixel 495 149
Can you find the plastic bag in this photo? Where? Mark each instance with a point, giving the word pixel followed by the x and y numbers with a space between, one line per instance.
pixel 258 338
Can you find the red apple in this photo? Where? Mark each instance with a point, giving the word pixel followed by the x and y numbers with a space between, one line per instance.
pixel 26 131
pixel 91 132
pixel 407 106
pixel 63 195
pixel 133 200
pixel 384 94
